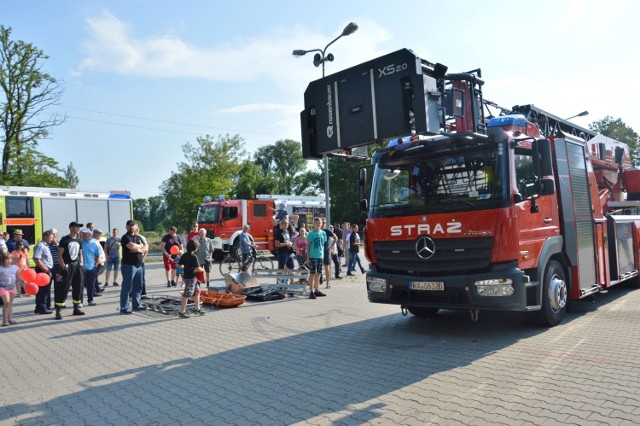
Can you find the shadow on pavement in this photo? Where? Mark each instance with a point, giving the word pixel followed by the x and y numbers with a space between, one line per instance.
pixel 340 369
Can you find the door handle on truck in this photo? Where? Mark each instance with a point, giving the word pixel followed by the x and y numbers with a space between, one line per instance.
pixel 548 220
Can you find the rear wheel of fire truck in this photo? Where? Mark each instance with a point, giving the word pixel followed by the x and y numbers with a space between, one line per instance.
pixel 555 295
pixel 423 312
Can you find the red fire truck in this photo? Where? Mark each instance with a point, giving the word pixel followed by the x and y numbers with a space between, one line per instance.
pixel 515 211
pixel 223 219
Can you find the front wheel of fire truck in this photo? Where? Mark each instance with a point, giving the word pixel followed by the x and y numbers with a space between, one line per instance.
pixel 555 295
pixel 423 312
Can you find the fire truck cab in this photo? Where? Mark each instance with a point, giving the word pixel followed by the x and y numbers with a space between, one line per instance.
pixel 519 211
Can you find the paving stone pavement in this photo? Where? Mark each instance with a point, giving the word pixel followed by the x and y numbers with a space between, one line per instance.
pixel 335 360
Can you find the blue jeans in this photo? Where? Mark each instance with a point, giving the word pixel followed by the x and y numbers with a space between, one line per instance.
pixel 90 282
pixel 131 286
pixel 285 259
pixel 353 258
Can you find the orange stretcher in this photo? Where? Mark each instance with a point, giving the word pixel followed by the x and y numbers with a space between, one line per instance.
pixel 221 300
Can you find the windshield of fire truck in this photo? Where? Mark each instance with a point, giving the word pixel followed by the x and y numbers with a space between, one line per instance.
pixel 436 181
pixel 208 214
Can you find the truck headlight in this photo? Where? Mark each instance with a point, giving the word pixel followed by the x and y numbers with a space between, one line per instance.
pixel 495 287
pixel 376 284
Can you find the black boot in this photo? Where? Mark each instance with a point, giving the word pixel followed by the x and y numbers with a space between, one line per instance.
pixel 58 314
pixel 77 311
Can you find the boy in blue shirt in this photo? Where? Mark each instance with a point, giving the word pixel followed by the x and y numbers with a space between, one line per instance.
pixel 316 238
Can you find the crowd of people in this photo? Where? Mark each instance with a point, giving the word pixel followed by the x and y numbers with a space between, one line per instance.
pixel 77 260
pixel 74 263
pixel 315 249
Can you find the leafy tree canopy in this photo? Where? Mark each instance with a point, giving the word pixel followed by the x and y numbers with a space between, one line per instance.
pixel 211 168
pixel 26 93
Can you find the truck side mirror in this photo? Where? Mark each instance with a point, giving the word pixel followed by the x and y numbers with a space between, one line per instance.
pixel 362 182
pixel 364 205
pixel 619 154
pixel 542 157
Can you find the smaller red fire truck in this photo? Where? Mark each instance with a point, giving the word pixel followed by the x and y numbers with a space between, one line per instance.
pixel 223 219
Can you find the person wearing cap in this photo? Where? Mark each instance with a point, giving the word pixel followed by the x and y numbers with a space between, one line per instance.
pixel 43 259
pixel 91 259
pixel 17 236
pixel 133 251
pixel 70 258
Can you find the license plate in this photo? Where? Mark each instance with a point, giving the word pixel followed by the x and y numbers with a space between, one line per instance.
pixel 427 285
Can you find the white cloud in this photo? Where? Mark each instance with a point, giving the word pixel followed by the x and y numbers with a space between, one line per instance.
pixel 113 46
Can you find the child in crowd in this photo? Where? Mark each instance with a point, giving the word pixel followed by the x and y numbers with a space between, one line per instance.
pixel 20 258
pixel 8 278
pixel 300 246
pixel 179 270
pixel 190 265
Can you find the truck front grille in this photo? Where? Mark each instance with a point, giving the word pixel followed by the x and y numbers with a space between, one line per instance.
pixel 452 256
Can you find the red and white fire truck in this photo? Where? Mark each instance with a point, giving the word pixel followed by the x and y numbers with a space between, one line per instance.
pixel 515 211
pixel 223 219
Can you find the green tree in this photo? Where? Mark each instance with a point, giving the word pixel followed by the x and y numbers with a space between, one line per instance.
pixel 42 171
pixel 71 176
pixel 27 93
pixel 157 214
pixel 211 168
pixel 141 212
pixel 282 162
pixel 252 181
pixel 618 130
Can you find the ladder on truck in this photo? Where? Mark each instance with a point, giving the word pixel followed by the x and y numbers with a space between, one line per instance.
pixel 549 124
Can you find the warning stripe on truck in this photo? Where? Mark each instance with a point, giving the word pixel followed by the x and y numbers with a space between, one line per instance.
pixel 19 222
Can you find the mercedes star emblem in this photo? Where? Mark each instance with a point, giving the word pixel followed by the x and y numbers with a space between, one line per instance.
pixel 425 248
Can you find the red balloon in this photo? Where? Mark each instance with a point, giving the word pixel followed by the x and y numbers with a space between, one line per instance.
pixel 42 279
pixel 28 275
pixel 31 289
pixel 174 250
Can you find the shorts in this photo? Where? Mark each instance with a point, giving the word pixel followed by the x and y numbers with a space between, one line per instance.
pixel 179 272
pixel 191 288
pixel 285 259
pixel 113 263
pixel 207 266
pixel 4 291
pixel 327 258
pixel 316 266
pixel 169 264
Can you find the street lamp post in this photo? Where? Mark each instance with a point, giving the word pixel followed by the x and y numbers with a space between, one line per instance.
pixel 319 59
pixel 582 114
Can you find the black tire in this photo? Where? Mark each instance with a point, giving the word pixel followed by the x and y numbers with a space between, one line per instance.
pixel 218 255
pixel 262 262
pixel 555 295
pixel 423 312
pixel 235 247
pixel 229 265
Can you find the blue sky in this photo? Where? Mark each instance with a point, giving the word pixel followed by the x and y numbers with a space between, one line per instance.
pixel 142 78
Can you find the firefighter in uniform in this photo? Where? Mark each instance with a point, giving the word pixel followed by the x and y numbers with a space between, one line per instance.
pixel 70 258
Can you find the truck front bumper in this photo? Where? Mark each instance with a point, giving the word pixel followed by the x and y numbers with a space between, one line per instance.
pixel 504 288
